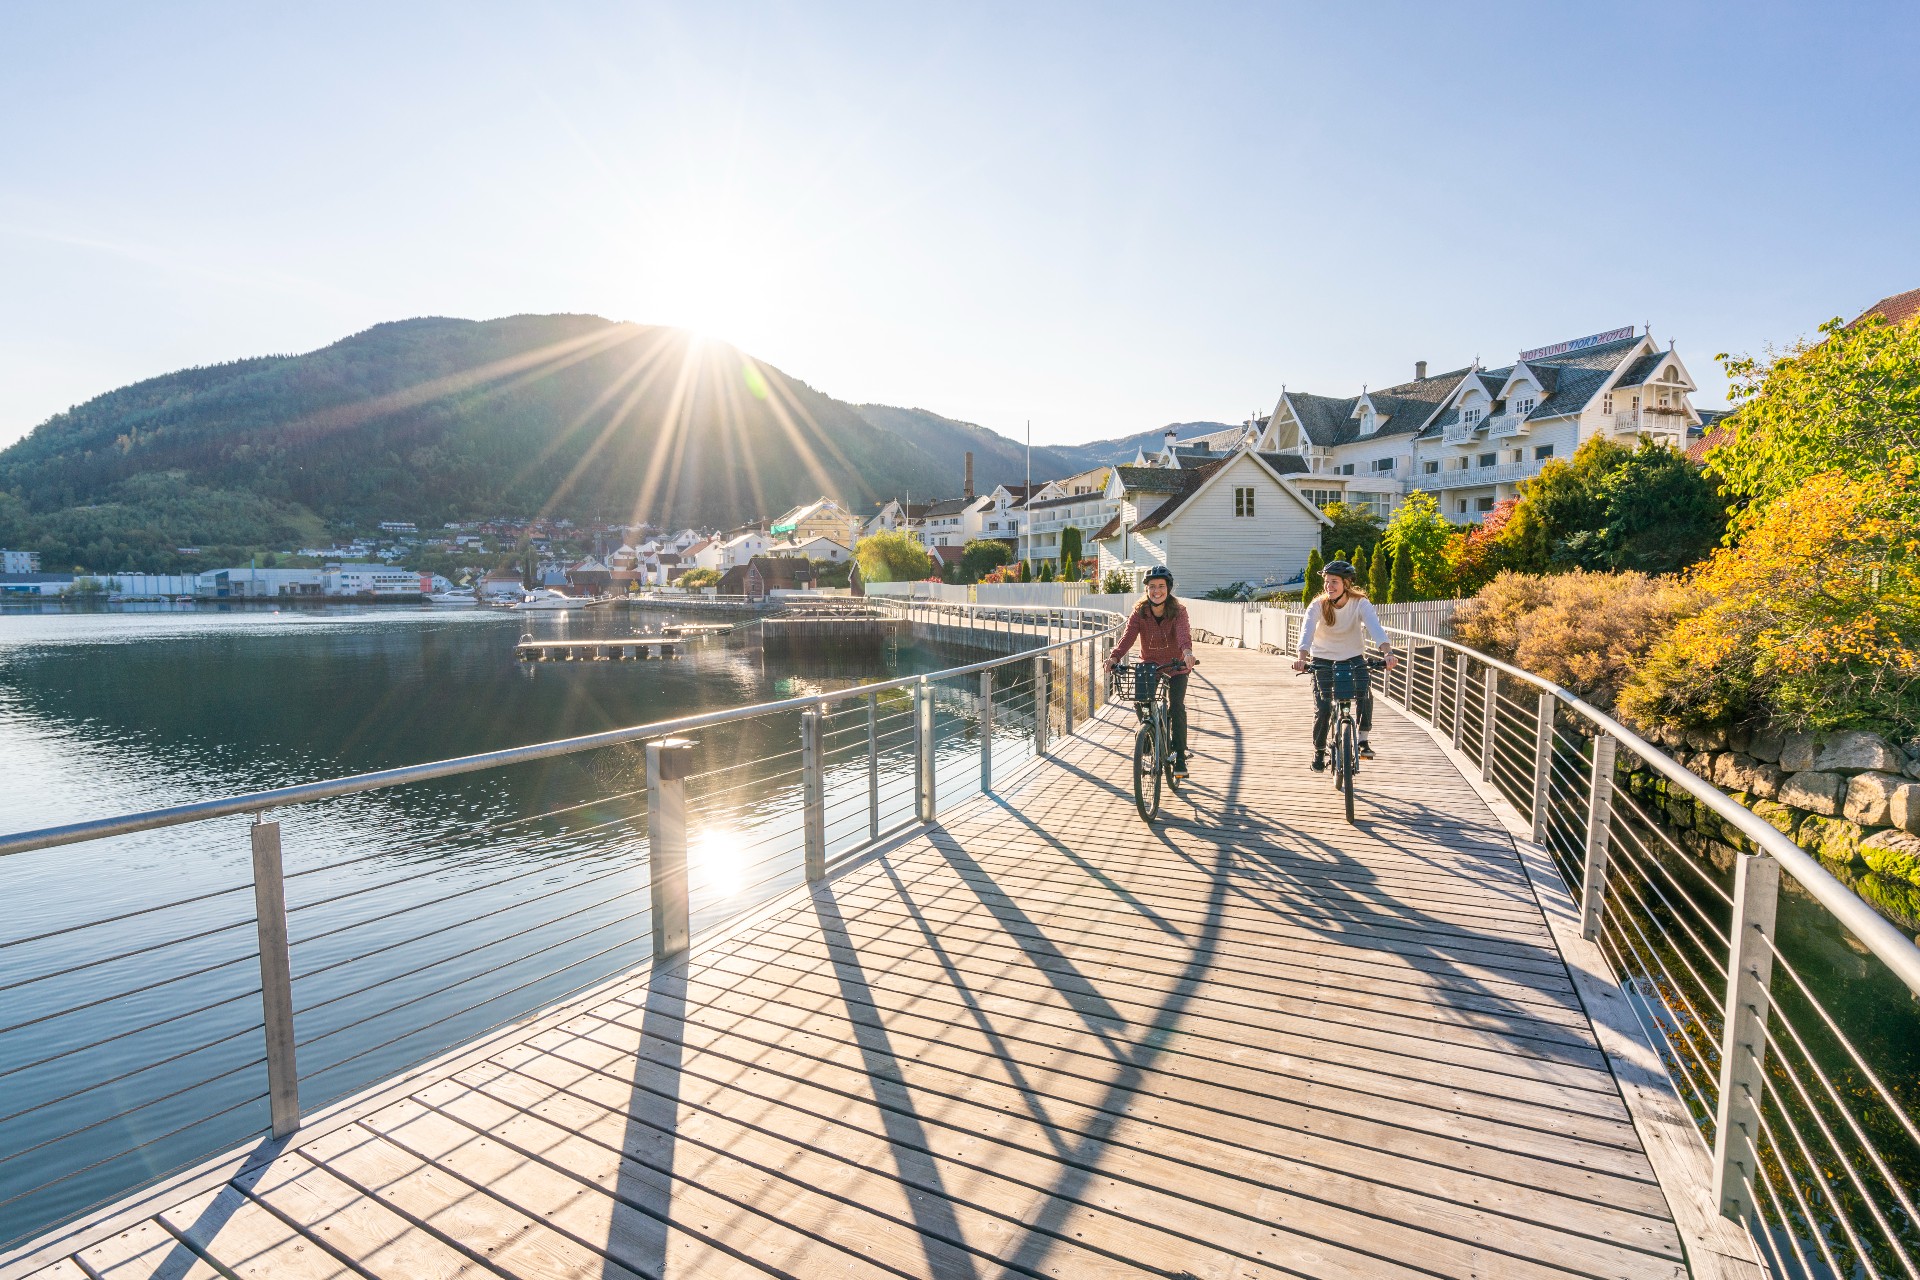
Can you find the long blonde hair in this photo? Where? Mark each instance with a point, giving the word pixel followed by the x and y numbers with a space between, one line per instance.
pixel 1327 606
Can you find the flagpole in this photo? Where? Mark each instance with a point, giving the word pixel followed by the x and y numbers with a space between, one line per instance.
pixel 1026 503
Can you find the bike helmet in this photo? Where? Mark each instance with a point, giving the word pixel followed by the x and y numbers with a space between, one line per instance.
pixel 1341 569
pixel 1161 572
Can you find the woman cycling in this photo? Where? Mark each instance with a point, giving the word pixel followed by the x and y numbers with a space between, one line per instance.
pixel 1166 641
pixel 1338 625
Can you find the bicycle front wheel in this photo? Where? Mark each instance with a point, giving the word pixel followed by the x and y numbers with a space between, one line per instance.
pixel 1349 763
pixel 1146 772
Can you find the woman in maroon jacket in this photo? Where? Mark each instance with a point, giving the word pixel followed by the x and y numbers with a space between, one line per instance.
pixel 1159 622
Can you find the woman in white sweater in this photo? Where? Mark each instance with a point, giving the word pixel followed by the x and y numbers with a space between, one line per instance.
pixel 1339 624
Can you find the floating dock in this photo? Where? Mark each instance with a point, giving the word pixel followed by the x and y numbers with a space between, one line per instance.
pixel 631 649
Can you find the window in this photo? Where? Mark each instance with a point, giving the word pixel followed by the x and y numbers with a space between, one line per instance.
pixel 1366 422
pixel 1606 402
pixel 1320 497
pixel 1243 501
pixel 1430 468
pixel 1636 401
pixel 1484 504
pixel 1488 459
pixel 1381 464
pixel 1345 470
pixel 1522 407
pixel 1541 451
pixel 1470 415
pixel 1461 507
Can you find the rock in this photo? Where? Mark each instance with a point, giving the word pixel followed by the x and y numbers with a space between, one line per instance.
pixel 1855 752
pixel 1896 899
pixel 1680 809
pixel 1739 738
pixel 1903 807
pixel 1723 856
pixel 1797 751
pixel 1706 739
pixel 1724 771
pixel 1868 796
pixel 1762 779
pixel 1777 816
pixel 1766 745
pixel 1835 841
pixel 1820 793
pixel 1895 854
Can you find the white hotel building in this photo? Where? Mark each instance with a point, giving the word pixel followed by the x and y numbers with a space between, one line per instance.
pixel 1471 436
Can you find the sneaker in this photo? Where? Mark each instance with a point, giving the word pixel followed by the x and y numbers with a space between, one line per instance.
pixel 1319 764
pixel 1180 766
pixel 1366 751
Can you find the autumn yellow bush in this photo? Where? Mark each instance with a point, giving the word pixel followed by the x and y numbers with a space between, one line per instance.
pixel 1584 631
pixel 1812 618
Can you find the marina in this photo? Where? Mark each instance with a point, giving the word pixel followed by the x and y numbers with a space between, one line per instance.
pixel 633 649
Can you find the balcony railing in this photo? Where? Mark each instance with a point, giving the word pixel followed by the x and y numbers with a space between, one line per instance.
pixel 1506 424
pixel 1475 477
pixel 1461 432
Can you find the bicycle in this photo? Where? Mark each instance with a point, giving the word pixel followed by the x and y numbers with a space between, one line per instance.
pixel 1343 743
pixel 1140 684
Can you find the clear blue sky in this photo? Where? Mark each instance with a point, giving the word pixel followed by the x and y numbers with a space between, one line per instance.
pixel 1099 217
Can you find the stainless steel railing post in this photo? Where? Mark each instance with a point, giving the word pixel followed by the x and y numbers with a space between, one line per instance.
pixel 669 761
pixel 1459 697
pixel 1093 677
pixel 1542 764
pixel 923 749
pixel 276 978
pixel 813 793
pixel 1593 890
pixel 873 766
pixel 986 731
pixel 1489 707
pixel 1743 1045
pixel 1042 703
pixel 1066 686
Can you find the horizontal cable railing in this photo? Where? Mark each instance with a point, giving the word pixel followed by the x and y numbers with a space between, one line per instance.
pixel 138 1036
pixel 1805 1102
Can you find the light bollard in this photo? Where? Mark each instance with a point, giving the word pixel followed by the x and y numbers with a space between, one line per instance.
pixel 669 761
pixel 276 977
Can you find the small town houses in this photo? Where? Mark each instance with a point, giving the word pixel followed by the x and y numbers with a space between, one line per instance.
pixel 1227 519
pixel 1473 435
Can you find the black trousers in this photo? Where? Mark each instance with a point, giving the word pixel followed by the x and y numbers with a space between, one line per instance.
pixel 1323 700
pixel 1177 711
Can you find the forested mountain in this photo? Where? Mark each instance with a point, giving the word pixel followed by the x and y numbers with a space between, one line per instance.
pixel 438 419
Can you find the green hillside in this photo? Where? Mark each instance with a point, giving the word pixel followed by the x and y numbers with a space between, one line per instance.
pixel 433 420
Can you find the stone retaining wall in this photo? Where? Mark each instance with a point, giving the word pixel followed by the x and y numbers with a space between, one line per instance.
pixel 1851 799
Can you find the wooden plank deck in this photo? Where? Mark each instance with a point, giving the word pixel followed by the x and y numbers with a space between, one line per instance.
pixel 1037 1040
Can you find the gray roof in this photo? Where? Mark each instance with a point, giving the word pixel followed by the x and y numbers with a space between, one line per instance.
pixel 1640 370
pixel 1287 464
pixel 1071 498
pixel 1329 420
pixel 950 506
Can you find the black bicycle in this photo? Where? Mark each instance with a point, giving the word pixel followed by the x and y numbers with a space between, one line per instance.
pixel 1343 743
pixel 1141 684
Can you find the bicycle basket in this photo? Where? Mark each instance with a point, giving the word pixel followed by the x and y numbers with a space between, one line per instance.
pixel 1131 682
pixel 1345 680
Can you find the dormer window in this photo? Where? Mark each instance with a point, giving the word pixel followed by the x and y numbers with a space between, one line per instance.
pixel 1366 422
pixel 1606 402
pixel 1470 415
pixel 1523 406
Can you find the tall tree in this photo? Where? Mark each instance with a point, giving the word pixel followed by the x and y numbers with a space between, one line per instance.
pixel 892 557
pixel 1380 574
pixel 1070 545
pixel 1401 590
pixel 1849 402
pixel 1353 525
pixel 1418 535
pixel 1312 587
pixel 1360 566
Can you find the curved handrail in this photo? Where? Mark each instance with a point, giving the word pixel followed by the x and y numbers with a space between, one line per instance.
pixel 1892 947
pixel 381 779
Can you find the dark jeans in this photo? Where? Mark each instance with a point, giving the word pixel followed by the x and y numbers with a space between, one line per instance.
pixel 1177 711
pixel 1323 700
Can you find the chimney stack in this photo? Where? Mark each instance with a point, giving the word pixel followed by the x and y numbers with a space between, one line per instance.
pixel 1170 440
pixel 1419 370
pixel 967 491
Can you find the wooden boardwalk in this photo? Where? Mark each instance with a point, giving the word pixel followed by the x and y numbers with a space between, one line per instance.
pixel 1037 1040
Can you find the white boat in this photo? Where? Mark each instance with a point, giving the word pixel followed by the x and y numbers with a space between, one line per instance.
pixel 546 598
pixel 455 596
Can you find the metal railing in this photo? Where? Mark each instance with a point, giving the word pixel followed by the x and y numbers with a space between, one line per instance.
pixel 243 980
pixel 1812 1145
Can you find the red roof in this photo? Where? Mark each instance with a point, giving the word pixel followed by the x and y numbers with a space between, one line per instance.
pixel 1899 309
pixel 946 555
